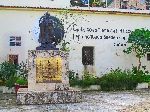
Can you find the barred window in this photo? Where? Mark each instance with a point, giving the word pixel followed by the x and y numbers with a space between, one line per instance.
pixel 15 41
pixel 148 57
pixel 87 55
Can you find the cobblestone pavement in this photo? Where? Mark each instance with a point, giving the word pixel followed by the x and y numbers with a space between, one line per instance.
pixel 129 101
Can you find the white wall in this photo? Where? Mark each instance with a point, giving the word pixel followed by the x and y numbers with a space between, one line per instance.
pixel 107 56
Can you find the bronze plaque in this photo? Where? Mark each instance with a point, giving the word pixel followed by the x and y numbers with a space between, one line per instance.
pixel 49 70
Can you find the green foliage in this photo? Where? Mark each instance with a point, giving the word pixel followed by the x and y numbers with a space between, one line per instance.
pixel 11 81
pixel 9 73
pixel 15 80
pixel 136 71
pixel 140 37
pixel 123 80
pixel 2 83
pixel 146 78
pixel 64 46
pixel 21 81
pixel 86 81
pixel 114 80
pixel 7 70
pixel 118 80
pixel 23 70
pixel 91 2
pixel 73 78
pixel 99 3
pixel 95 2
pixel 140 43
pixel 141 75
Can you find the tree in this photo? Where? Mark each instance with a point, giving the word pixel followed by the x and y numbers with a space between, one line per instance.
pixel 140 43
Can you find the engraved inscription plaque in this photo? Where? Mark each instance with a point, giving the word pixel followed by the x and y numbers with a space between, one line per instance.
pixel 49 70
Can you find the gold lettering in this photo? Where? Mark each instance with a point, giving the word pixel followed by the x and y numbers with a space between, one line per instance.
pixel 48 70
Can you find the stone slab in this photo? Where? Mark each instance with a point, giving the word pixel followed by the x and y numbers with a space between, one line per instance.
pixel 142 86
pixel 51 97
pixel 8 90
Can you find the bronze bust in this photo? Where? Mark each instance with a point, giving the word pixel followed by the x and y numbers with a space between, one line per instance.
pixel 51 32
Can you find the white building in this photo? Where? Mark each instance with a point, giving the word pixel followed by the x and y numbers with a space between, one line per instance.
pixel 103 32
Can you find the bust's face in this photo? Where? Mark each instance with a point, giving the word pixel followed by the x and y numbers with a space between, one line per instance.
pixel 50 26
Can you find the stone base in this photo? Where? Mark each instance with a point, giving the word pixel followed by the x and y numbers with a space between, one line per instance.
pixel 51 97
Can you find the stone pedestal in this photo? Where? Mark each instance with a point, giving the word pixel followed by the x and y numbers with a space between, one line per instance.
pixel 48 79
pixel 50 97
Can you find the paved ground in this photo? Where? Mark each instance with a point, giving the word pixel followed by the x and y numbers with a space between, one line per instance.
pixel 129 101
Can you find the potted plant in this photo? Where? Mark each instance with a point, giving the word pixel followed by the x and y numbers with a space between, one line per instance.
pixel 9 84
pixel 21 83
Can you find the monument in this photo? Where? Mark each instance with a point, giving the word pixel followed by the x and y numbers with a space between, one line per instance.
pixel 48 68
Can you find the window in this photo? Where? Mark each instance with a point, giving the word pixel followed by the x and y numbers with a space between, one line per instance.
pixel 148 57
pixel 13 59
pixel 87 55
pixel 15 41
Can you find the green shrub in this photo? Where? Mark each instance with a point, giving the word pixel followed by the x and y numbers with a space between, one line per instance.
pixel 118 80
pixel 146 78
pixel 15 80
pixel 73 78
pixel 137 71
pixel 9 73
pixel 2 83
pixel 23 70
pixel 141 75
pixel 7 70
pixel 11 81
pixel 123 80
pixel 86 81
pixel 114 80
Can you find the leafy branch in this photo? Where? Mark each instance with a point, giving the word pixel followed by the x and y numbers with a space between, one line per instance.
pixel 140 43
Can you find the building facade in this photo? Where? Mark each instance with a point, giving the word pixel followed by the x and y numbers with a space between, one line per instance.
pixel 120 4
pixel 130 4
pixel 97 38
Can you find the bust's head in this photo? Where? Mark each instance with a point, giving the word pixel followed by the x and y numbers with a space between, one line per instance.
pixel 51 30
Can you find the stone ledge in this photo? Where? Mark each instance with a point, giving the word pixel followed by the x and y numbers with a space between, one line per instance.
pixel 142 86
pixel 7 89
pixel 51 97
